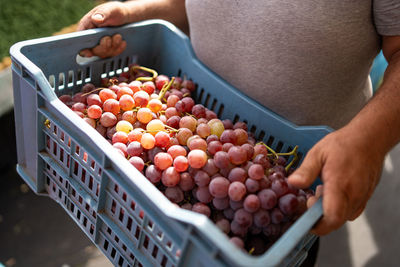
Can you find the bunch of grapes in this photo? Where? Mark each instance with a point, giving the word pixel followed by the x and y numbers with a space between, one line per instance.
pixel 199 162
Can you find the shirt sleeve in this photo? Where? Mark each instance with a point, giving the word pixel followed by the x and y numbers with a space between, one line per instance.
pixel 387 17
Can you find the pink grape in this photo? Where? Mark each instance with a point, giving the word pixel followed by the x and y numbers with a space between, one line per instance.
pixel 199 111
pixel 252 186
pixel 227 146
pixel 251 203
pixel 172 100
pixel 148 141
pixel 240 125
pixel 203 194
pixel 227 124
pixel 153 174
pixel 201 178
pixel 111 105
pixel 88 88
pixel 243 217
pixel 210 167
pixel 79 97
pixel 276 216
pixel 236 191
pixel 237 155
pixel 176 150
pixel 188 122
pixel 288 204
pixel 134 149
pixel 221 159
pixel 197 158
pixel 202 209
pixel 121 147
pixel 237 174
pixel 224 225
pixel 268 199
pixel 214 147
pixel 249 149
pixel 237 241
pixel 148 87
pixel 108 119
pixel 280 187
pixel 181 163
pixel 188 103
pixel 219 187
pixel 135 86
pixel 170 177
pixel 186 182
pixel 81 107
pixel 197 143
pixel 173 121
pixel 163 160
pixel 203 130
pixel 160 81
pixel 183 135
pixel 221 203
pixel 261 218
pixel 124 90
pixel 174 194
pixel 137 162
pixel 94 112
pixel 256 172
pixel 235 205
pixel 120 137
pixel 126 102
pixel 94 99
pixel 228 136
pixel 141 98
pixel 241 136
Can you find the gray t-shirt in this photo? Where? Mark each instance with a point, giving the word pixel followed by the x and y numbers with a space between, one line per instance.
pixel 307 60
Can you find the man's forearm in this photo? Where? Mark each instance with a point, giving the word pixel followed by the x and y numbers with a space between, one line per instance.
pixel 171 10
pixel 379 121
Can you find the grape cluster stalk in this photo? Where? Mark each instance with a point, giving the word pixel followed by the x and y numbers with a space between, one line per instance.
pixel 199 162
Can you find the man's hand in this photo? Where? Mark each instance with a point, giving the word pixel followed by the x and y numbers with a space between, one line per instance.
pixel 119 13
pixel 350 170
pixel 107 14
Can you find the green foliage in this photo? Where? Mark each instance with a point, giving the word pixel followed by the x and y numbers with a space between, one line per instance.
pixel 29 19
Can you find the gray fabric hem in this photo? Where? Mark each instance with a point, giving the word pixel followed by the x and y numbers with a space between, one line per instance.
pixel 388 30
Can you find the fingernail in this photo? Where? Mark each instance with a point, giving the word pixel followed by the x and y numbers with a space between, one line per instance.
pixel 98 16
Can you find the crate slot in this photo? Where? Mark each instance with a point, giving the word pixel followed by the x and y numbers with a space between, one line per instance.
pixel 220 111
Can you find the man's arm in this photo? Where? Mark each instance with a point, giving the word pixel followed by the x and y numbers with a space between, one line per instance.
pixel 350 159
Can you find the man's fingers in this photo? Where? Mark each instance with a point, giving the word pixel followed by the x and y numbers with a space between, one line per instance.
pixel 336 209
pixel 120 49
pixel 308 171
pixel 86 53
pixel 116 40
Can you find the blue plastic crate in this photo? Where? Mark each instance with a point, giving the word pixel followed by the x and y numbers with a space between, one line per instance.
pixel 61 156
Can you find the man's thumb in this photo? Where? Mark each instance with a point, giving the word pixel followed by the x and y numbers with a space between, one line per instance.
pixel 98 17
pixel 308 171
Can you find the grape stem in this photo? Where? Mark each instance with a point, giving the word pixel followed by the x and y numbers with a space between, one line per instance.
pixel 165 88
pixel 95 90
pixel 276 155
pixel 151 79
pixel 251 251
pixel 171 129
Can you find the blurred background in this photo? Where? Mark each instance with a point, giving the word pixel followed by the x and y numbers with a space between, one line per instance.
pixel 36 231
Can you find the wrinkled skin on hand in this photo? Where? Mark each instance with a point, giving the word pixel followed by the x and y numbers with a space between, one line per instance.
pixel 350 171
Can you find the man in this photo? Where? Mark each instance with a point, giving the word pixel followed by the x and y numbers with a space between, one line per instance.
pixel 306 60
